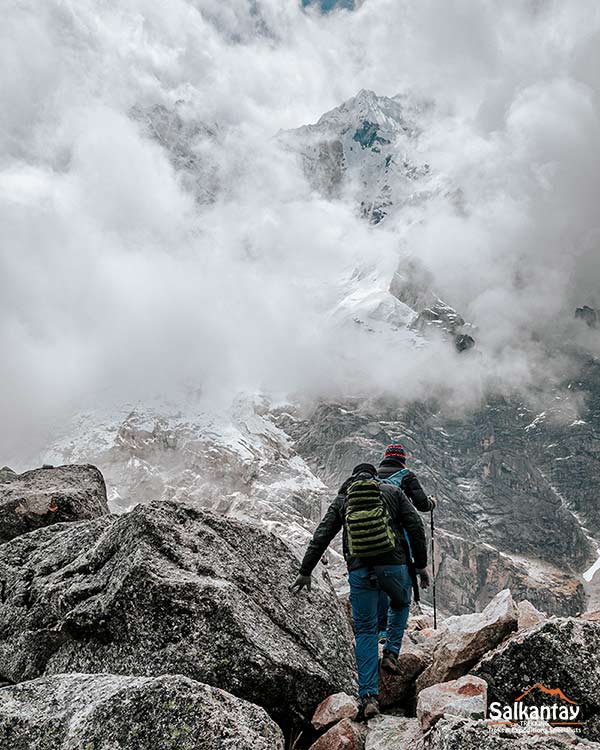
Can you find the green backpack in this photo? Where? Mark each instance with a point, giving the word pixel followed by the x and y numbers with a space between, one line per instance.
pixel 368 528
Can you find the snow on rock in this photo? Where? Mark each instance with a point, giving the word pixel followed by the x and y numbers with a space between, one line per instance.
pixel 367 151
pixel 235 461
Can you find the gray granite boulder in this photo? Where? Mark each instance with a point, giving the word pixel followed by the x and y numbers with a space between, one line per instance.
pixel 104 711
pixel 50 495
pixel 465 734
pixel 561 653
pixel 172 589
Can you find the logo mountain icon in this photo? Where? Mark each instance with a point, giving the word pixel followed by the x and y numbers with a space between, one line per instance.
pixel 549 691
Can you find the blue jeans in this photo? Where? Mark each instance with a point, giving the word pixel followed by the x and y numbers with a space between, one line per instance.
pixel 364 596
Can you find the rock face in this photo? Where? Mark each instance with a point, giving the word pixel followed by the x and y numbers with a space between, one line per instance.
pixel 560 653
pixel 466 696
pixel 504 515
pixel 465 638
pixel 49 495
pixel 469 573
pixel 170 589
pixel 333 709
pixel 346 735
pixel 85 711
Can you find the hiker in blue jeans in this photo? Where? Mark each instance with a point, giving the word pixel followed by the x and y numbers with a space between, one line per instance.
pixel 373 517
pixel 392 470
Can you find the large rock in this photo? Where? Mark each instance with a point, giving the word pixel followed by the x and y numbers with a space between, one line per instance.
pixel 464 734
pixel 169 588
pixel 49 495
pixel 93 711
pixel 346 735
pixel 393 733
pixel 559 653
pixel 466 696
pixel 464 639
pixel 333 709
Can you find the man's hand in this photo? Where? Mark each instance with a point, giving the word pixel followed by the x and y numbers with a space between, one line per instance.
pixel 300 583
pixel 433 501
pixel 423 577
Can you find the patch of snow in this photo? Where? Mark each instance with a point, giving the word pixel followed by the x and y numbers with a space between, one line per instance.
pixel 537 421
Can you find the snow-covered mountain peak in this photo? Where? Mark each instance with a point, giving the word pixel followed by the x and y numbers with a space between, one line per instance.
pixel 394 115
pixel 367 151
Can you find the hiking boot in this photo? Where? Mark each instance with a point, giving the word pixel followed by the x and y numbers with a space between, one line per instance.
pixel 369 706
pixel 389 663
pixel 382 637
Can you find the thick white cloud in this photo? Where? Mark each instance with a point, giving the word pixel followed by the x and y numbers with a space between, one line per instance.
pixel 113 279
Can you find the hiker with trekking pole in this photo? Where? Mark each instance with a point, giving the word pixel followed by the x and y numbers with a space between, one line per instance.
pixel 393 470
pixel 374 516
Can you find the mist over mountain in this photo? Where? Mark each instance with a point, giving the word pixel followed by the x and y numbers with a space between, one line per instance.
pixel 134 260
pixel 246 244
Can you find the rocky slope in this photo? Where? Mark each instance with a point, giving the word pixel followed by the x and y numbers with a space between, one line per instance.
pixel 172 626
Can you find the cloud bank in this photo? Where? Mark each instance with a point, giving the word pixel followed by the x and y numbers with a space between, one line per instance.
pixel 115 282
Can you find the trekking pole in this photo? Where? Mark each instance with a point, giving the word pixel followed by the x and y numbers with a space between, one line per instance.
pixel 433 573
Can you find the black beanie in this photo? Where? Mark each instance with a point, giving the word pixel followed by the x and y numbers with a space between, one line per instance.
pixel 364 469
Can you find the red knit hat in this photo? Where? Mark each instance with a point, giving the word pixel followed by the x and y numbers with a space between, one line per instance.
pixel 396 450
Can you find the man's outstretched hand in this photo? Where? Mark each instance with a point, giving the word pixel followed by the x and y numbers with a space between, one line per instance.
pixel 423 578
pixel 300 583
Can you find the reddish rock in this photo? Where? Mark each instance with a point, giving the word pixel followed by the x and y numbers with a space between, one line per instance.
pixel 346 735
pixel 466 697
pixel 593 616
pixel 419 622
pixel 333 709
pixel 529 615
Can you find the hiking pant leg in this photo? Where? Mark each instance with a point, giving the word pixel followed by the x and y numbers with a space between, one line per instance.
pixel 383 604
pixel 363 598
pixel 395 581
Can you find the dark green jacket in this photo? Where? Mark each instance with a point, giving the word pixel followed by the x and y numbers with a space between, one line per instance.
pixel 402 514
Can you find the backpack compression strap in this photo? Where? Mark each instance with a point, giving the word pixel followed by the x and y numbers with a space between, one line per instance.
pixel 369 531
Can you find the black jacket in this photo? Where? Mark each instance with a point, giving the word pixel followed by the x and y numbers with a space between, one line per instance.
pixel 402 515
pixel 410 486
